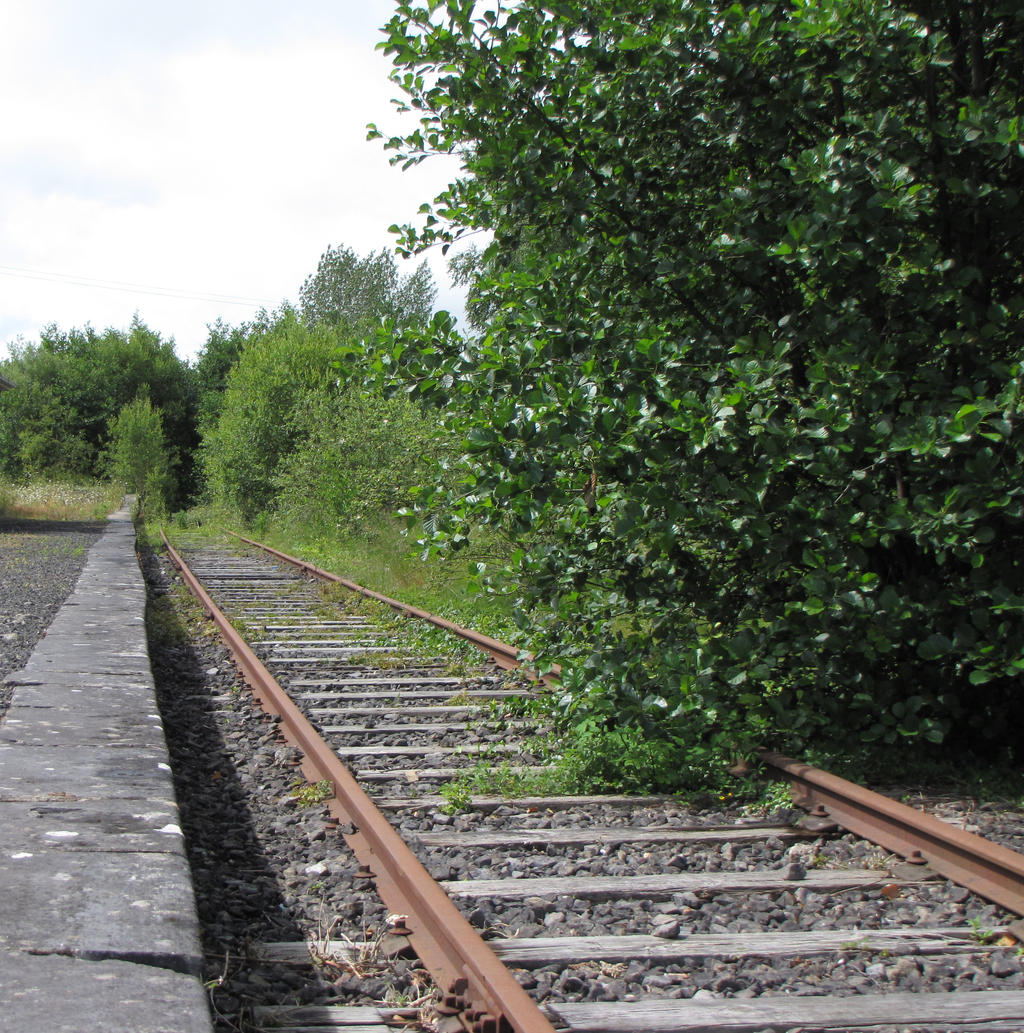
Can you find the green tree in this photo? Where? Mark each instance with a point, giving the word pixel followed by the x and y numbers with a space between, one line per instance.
pixel 224 345
pixel 138 457
pixel 285 426
pixel 750 397
pixel 259 424
pixel 73 383
pixel 359 454
pixel 361 292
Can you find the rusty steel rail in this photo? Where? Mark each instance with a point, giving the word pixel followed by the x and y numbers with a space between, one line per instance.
pixel 994 872
pixel 505 656
pixel 481 994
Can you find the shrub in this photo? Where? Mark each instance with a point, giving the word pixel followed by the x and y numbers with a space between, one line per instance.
pixel 750 392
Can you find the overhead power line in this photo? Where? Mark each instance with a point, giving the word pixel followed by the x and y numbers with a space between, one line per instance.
pixel 131 288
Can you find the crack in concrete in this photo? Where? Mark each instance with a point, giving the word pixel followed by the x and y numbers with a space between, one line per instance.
pixel 182 964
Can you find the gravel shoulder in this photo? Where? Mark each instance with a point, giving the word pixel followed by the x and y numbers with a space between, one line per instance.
pixel 40 563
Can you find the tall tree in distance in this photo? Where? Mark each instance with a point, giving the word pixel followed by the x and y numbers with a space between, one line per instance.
pixel 224 345
pixel 291 428
pixel 258 415
pixel 361 292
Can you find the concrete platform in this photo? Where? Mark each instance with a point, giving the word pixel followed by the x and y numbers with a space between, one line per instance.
pixel 98 929
pixel 70 995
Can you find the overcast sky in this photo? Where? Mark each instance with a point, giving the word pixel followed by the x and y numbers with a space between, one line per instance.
pixel 189 154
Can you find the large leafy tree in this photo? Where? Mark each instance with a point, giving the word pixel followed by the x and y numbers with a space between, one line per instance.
pixel 287 431
pixel 750 391
pixel 224 345
pixel 258 424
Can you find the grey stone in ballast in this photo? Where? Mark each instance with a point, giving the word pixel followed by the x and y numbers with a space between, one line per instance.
pixel 68 995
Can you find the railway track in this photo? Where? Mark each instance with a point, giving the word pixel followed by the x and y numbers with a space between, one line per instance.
pixel 593 914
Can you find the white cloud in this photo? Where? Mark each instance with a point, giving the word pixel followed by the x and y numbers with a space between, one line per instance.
pixel 214 148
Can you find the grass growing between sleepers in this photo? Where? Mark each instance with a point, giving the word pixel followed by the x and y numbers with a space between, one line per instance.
pixel 380 555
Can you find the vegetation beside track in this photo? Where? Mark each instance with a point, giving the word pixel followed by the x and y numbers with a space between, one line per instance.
pixel 622 759
pixel 43 499
pixel 71 388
